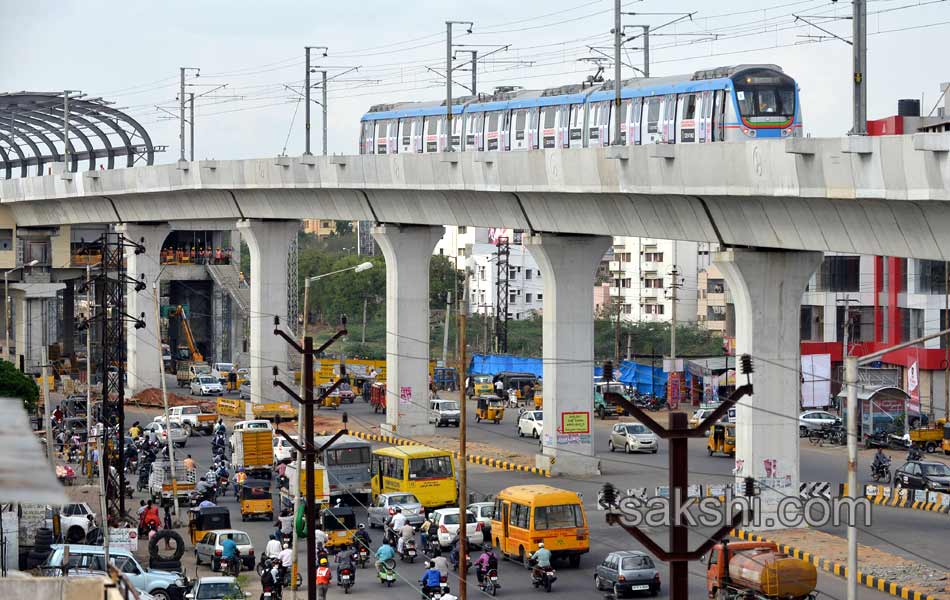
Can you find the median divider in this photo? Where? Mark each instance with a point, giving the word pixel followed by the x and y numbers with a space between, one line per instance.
pixel 829 566
pixel 477 459
pixel 883 495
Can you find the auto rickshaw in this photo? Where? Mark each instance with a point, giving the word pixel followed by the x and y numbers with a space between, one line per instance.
pixel 489 408
pixel 722 438
pixel 339 523
pixel 203 520
pixel 255 499
pixel 332 400
pixel 377 397
pixel 479 385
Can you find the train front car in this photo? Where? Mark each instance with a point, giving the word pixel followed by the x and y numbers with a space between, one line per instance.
pixel 764 104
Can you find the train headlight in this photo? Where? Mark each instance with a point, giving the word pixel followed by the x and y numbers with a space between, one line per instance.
pixel 787 132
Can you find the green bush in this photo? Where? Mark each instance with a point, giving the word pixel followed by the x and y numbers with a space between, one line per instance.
pixel 14 384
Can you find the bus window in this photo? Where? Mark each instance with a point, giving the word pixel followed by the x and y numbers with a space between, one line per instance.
pixel 558 517
pixel 520 515
pixel 434 467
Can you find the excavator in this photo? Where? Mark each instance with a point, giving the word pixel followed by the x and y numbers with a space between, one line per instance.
pixel 188 360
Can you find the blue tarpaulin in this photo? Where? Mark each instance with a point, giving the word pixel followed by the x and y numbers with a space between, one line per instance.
pixel 492 364
pixel 646 379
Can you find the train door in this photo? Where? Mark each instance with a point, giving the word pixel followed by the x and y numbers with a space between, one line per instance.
pixel 367 129
pixel 668 119
pixel 473 131
pixel 575 126
pixel 458 124
pixel 563 126
pixel 504 137
pixel 492 124
pixel 704 117
pixel 534 128
pixel 549 127
pixel 417 134
pixel 596 130
pixel 651 121
pixel 431 134
pixel 381 135
pixel 633 124
pixel 405 135
pixel 686 122
pixel 718 116
pixel 518 131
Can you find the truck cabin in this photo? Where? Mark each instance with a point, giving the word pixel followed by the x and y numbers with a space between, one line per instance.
pixel 716 566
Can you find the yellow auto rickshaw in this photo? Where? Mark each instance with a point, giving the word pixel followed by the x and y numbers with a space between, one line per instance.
pixel 339 523
pixel 331 400
pixel 489 408
pixel 203 520
pixel 255 499
pixel 722 438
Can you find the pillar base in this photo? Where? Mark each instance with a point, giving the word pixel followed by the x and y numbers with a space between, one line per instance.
pixel 572 465
pixel 407 431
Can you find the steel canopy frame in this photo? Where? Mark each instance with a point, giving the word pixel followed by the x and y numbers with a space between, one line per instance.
pixel 31 134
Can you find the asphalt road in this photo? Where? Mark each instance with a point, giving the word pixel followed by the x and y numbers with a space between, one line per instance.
pixel 643 470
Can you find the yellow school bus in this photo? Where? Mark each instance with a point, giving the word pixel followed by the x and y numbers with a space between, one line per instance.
pixel 526 515
pixel 426 472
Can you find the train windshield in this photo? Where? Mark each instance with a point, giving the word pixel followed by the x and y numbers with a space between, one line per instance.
pixel 765 96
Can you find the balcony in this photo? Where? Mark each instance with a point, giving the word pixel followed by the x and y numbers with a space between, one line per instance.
pixel 614 266
pixel 716 299
pixel 651 292
pixel 650 265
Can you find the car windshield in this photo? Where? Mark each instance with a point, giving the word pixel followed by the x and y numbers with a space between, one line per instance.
pixel 537 414
pixel 636 429
pixel 453 519
pixel 403 499
pixel 223 367
pixel 212 591
pixel 637 562
pixel 483 379
pixel 207 380
pixel 451 405
pixel 934 469
pixel 616 388
pixel 239 538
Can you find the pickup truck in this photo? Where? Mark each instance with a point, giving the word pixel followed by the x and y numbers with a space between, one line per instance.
pixel 191 418
pixel 188 370
pixel 160 482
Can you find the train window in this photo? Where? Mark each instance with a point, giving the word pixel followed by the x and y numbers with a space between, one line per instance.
pixel 432 125
pixel 535 118
pixel 718 109
pixel 576 133
pixel 653 114
pixel 367 137
pixel 549 114
pixel 520 124
pixel 637 114
pixel 689 107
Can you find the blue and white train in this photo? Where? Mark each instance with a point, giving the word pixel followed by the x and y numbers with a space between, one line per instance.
pixel 724 104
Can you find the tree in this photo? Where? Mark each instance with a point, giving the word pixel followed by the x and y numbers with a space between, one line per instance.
pixel 443 278
pixel 343 227
pixel 14 384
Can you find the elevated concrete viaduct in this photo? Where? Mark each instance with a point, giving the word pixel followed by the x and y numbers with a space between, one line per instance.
pixel 772 206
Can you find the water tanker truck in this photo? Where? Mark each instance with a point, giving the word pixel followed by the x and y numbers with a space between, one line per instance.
pixel 759 571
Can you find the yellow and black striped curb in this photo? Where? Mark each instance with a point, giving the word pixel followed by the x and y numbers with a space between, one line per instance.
pixel 476 459
pixel 898 501
pixel 875 583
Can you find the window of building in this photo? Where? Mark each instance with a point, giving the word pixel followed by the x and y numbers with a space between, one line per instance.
pixel 912 323
pixel 512 273
pixel 715 286
pixel 462 229
pixel 527 273
pixel 540 297
pixel 512 297
pixel 653 256
pixel 839 274
pixel 716 312
pixel 861 327
pixel 6 239
pixel 930 276
pixel 481 273
pixel 627 309
pixel 527 298
pixel 653 309
pixel 625 282
pixel 653 283
pixel 812 323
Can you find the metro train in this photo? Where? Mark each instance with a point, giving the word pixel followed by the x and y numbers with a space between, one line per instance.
pixel 724 104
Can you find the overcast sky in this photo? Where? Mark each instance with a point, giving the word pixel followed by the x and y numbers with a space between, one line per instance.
pixel 130 52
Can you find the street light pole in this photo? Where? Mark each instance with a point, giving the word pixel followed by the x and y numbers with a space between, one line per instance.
pixel 618 36
pixel 448 80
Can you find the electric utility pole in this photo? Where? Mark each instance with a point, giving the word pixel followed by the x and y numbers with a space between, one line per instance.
pixel 618 38
pixel 306 92
pixel 463 457
pixel 448 78
pixel 181 107
pixel 946 342
pixel 191 125
pixel 66 93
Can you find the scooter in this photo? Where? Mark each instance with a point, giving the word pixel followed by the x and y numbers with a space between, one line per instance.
pixel 409 552
pixel 362 556
pixel 387 573
pixel 882 471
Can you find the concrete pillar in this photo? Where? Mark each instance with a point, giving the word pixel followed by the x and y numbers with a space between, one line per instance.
pixel 767 289
pixel 408 250
pixel 568 264
pixel 144 346
pixel 268 243
pixel 69 317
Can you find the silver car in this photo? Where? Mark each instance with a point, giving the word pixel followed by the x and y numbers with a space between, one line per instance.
pixel 815 419
pixel 177 432
pixel 632 437
pixel 382 510
pixel 208 549
pixel 626 573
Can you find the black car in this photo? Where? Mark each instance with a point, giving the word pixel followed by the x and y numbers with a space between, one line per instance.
pixel 919 475
pixel 627 573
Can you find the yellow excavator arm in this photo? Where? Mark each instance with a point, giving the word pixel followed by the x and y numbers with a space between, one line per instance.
pixel 195 355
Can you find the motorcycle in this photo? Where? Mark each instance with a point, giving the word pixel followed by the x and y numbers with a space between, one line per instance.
pixel 345 579
pixel 914 454
pixel 489 583
pixel 409 551
pixel 881 471
pixel 144 471
pixel 542 577
pixel 877 439
pixel 362 557
pixel 387 573
pixel 231 566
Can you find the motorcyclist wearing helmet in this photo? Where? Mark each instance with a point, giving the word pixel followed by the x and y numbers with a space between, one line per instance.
pixel 271 577
pixel 361 537
pixel 430 580
pixel 485 563
pixel 344 560
pixel 542 560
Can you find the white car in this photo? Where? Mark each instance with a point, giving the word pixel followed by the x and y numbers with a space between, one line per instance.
pixel 216 588
pixel 447 520
pixel 177 432
pixel 283 451
pixel 815 419
pixel 483 512
pixel 632 437
pixel 531 423
pixel 444 412
pixel 73 521
pixel 206 385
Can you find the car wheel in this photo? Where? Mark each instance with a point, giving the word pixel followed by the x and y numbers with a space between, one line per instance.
pixel 535 433
pixel 802 431
pixel 160 595
pixel 215 566
pixel 626 448
pixel 654 451
pixel 574 561
pixel 598 585
pixel 188 429
pixel 610 446
pixel 197 558
pixel 522 558
pixel 520 433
